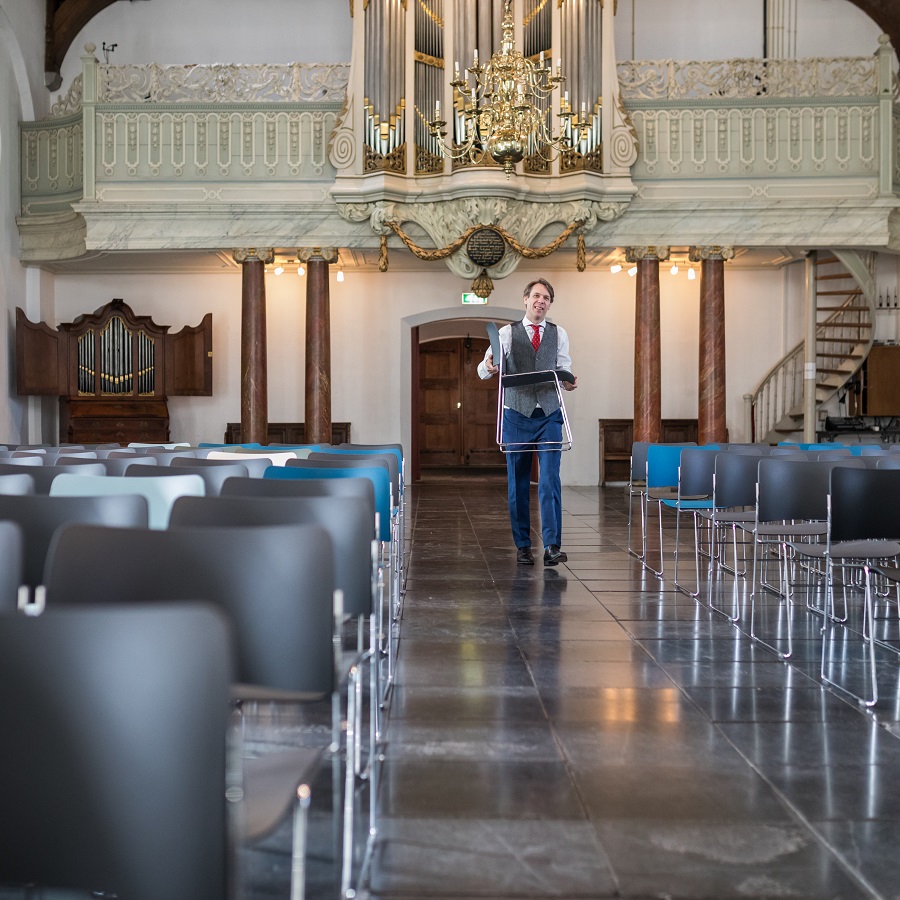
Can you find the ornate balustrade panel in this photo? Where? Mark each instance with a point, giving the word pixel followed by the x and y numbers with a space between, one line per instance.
pixel 212 143
pixel 52 165
pixel 754 118
pixel 896 149
pixel 263 84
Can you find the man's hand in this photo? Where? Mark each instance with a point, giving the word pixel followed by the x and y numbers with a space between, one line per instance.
pixel 570 386
pixel 489 364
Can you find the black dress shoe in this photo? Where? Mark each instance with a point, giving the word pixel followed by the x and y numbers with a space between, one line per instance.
pixel 524 556
pixel 553 555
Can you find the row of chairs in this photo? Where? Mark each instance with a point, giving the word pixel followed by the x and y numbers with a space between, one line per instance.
pixel 256 564
pixel 816 514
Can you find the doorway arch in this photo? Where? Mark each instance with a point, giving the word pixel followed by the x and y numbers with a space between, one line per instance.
pixel 457 320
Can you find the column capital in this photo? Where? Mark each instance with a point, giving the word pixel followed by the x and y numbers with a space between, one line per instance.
pixel 329 254
pixel 263 254
pixel 698 254
pixel 636 254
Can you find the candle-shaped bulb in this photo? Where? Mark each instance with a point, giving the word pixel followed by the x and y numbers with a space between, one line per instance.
pixel 437 109
pixel 558 63
pixel 476 58
pixel 456 70
pixel 542 59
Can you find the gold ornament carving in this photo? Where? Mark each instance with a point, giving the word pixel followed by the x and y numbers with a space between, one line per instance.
pixel 244 254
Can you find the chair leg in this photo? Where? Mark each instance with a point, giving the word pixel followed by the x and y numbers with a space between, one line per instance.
pixel 298 854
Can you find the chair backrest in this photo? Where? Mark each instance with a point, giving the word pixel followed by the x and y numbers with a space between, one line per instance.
pixel 788 450
pixel 12 464
pixel 839 453
pixel 12 565
pixel 888 461
pixel 117 465
pixel 45 476
pixel 735 480
pixel 253 468
pixel 17 484
pixel 168 445
pixel 359 488
pixel 213 477
pixel 795 488
pixel 389 458
pixel 274 582
pixel 275 457
pixel 868 449
pixel 662 464
pixel 639 460
pixel 40 516
pixel 112 766
pixel 377 475
pixel 165 457
pixel 160 493
pixel 864 504
pixel 695 475
pixel 346 519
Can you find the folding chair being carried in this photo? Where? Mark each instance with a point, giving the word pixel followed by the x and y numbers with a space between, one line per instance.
pixel 547 376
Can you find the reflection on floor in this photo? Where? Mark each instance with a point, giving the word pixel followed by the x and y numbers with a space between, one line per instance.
pixel 588 731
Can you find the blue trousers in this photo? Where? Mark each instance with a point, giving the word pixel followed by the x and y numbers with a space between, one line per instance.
pixel 518 428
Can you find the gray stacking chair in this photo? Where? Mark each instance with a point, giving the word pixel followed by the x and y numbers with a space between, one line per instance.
pixel 254 468
pixel 276 585
pixel 113 758
pixel 791 506
pixel 40 516
pixel 12 565
pixel 111 465
pixel 863 529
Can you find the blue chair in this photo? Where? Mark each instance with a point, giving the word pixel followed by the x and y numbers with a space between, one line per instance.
pixel 695 489
pixel 661 483
pixel 388 566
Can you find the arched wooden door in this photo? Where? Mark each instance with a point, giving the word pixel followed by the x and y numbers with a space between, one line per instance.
pixel 457 421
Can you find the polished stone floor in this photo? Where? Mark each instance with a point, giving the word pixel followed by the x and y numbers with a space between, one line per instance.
pixel 588 731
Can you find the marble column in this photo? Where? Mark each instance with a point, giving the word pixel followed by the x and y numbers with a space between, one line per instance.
pixel 647 342
pixel 318 343
pixel 254 370
pixel 711 405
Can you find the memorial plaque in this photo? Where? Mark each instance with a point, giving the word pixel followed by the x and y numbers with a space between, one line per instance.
pixel 486 247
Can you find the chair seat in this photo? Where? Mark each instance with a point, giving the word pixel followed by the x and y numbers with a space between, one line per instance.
pixel 731 518
pixel 850 550
pixel 689 503
pixel 270 785
pixel 663 493
pixel 789 529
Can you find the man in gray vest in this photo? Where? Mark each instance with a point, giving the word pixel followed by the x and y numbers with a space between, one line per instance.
pixel 532 414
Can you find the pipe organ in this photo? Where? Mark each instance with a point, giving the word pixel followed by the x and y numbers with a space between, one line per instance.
pixel 113 371
pixel 581 30
pixel 446 34
pixel 385 85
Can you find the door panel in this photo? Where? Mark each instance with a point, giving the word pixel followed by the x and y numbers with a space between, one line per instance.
pixel 440 437
pixel 457 410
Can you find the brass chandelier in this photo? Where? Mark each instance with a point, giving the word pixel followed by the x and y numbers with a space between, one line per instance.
pixel 502 109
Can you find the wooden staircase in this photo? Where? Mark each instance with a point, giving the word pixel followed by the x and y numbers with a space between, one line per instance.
pixel 845 316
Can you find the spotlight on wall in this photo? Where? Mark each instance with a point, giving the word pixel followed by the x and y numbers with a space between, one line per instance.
pixel 674 270
pixel 691 274
pixel 632 271
pixel 301 270
pixel 615 268
pixel 278 269
pixel 340 273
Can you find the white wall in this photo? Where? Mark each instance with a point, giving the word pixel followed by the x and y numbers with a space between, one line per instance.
pixel 216 31
pixel 371 381
pixel 22 96
pixel 725 29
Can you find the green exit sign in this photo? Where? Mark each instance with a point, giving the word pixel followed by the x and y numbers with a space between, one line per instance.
pixel 469 298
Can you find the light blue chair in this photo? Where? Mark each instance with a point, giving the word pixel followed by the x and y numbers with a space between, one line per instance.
pixel 160 493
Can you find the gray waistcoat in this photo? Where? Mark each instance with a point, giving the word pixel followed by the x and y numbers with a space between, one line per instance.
pixel 522 358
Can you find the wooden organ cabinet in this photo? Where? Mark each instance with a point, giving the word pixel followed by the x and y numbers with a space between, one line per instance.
pixel 113 372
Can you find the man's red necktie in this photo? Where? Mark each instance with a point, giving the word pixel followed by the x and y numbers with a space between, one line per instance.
pixel 535 336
